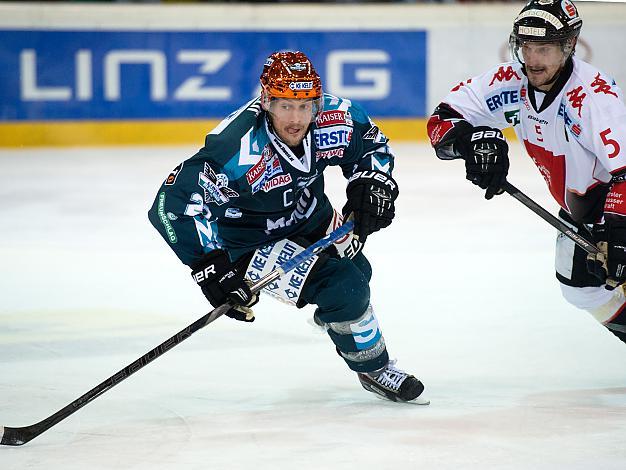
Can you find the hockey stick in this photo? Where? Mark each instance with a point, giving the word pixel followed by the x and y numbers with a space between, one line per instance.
pixel 581 241
pixel 18 436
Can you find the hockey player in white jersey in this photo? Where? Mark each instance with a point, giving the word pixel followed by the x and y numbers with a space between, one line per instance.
pixel 571 119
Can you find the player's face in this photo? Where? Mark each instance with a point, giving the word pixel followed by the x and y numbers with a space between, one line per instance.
pixel 543 60
pixel 291 118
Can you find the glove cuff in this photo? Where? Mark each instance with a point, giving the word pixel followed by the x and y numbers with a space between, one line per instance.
pixel 375 178
pixel 214 264
pixel 463 144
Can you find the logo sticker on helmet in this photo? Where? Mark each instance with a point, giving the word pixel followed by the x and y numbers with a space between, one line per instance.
pixel 544 15
pixel 298 67
pixel 569 9
pixel 531 31
pixel 301 86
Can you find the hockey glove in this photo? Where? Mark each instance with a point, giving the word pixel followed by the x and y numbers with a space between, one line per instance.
pixel 371 196
pixel 596 263
pixel 486 155
pixel 221 282
pixel 610 264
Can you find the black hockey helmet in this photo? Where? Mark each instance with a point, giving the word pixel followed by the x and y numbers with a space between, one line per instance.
pixel 546 21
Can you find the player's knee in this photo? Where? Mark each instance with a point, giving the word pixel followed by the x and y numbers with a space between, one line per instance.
pixel 351 287
pixel 340 290
pixel 363 264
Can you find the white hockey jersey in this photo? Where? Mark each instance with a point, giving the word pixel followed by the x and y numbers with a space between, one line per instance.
pixel 577 142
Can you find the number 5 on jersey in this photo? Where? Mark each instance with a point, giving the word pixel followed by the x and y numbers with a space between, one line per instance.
pixel 611 142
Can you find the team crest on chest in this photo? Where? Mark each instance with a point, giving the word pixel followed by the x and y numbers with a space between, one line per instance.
pixel 215 186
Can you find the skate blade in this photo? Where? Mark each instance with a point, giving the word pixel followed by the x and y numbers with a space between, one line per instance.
pixel 419 401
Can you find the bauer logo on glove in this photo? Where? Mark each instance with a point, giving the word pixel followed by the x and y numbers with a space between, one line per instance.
pixel 371 196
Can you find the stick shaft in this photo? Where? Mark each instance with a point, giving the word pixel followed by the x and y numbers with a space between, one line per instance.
pixel 21 435
pixel 581 241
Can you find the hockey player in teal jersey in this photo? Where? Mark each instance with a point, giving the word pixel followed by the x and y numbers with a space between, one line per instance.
pixel 254 196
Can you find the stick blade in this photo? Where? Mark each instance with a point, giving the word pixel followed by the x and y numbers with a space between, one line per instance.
pixel 15 436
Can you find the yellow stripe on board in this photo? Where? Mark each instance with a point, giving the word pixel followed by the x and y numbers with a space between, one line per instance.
pixel 183 132
pixel 99 133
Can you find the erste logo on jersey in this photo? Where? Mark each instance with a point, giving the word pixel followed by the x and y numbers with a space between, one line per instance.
pixel 334 129
pixel 502 97
pixel 331 137
pixel 504 74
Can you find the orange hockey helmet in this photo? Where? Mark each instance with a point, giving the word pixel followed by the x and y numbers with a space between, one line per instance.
pixel 290 75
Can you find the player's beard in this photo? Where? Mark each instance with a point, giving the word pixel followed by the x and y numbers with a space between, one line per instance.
pixel 537 81
pixel 292 135
pixel 540 77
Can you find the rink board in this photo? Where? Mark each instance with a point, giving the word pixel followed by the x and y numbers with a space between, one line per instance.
pixel 92 74
pixel 117 87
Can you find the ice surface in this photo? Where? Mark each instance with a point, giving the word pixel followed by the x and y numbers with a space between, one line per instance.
pixel 464 289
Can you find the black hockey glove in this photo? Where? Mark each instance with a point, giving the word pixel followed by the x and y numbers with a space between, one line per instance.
pixel 371 196
pixel 596 263
pixel 612 244
pixel 220 282
pixel 486 156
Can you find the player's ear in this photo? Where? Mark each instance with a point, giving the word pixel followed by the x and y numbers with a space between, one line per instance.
pixel 265 100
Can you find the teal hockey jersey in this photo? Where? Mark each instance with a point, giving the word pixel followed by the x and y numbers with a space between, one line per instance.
pixel 245 188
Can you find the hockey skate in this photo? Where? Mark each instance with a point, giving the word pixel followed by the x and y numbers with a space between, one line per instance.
pixel 394 384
